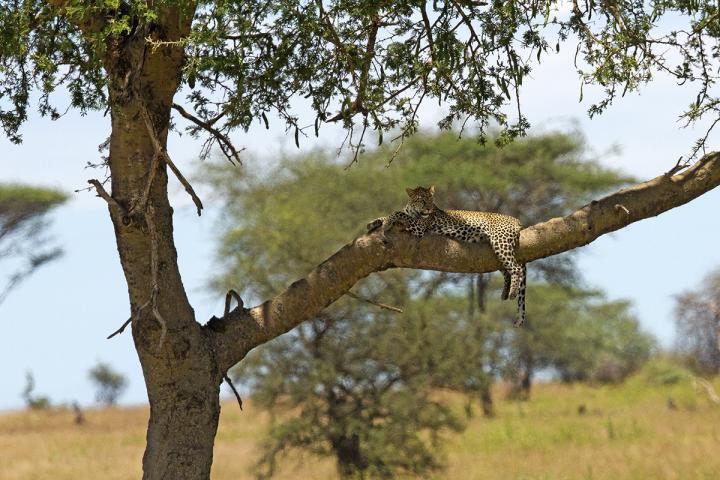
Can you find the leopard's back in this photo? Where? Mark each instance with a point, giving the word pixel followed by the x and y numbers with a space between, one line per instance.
pixel 470 225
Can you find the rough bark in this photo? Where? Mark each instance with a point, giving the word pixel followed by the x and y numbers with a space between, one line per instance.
pixel 244 329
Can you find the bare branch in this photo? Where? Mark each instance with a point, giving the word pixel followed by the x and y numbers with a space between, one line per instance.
pixel 132 318
pixel 333 278
pixel 102 193
pixel 122 327
pixel 161 153
pixel 373 302
pixel 186 184
pixel 234 390
pixel 228 149
pixel 228 297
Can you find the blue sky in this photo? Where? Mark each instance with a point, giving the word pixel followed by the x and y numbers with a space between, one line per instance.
pixel 55 324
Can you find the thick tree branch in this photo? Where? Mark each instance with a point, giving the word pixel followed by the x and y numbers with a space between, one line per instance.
pixel 243 330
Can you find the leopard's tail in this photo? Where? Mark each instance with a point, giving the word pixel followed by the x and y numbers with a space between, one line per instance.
pixel 521 298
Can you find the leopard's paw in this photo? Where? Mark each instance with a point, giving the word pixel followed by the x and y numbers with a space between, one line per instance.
pixel 374 225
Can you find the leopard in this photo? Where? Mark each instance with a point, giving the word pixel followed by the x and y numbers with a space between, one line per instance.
pixel 421 216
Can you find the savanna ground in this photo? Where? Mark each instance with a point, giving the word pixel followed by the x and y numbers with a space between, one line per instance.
pixel 627 432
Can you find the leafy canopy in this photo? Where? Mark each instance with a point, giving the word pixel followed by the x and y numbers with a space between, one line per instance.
pixel 369 64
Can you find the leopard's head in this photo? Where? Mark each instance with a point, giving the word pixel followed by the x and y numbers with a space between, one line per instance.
pixel 421 201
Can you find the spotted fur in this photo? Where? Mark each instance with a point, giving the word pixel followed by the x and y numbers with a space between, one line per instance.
pixel 421 216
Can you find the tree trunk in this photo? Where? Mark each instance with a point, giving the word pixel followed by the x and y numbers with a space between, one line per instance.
pixel 179 367
pixel 486 400
pixel 350 461
pixel 477 293
pixel 177 354
pixel 526 382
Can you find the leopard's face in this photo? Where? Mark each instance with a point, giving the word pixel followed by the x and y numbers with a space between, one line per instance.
pixel 421 202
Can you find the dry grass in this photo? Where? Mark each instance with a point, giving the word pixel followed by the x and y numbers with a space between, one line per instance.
pixel 628 433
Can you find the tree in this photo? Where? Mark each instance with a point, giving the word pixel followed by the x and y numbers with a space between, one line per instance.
pixel 23 221
pixel 33 402
pixel 577 334
pixel 360 379
pixel 366 64
pixel 109 383
pixel 697 323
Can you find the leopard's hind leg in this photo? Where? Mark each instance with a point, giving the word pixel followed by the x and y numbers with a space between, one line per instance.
pixel 504 247
pixel 521 299
pixel 506 286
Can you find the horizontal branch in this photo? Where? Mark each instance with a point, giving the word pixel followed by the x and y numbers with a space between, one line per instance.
pixel 243 330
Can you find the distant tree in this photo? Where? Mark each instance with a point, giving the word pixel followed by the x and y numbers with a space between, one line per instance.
pixel 697 325
pixel 109 384
pixel 33 402
pixel 576 333
pixel 359 379
pixel 24 245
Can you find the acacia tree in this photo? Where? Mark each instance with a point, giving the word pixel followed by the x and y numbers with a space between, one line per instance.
pixel 109 383
pixel 24 245
pixel 367 64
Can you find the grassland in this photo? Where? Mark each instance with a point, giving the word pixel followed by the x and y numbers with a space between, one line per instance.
pixel 627 432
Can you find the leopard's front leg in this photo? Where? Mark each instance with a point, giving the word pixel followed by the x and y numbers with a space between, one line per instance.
pixel 375 224
pixel 407 222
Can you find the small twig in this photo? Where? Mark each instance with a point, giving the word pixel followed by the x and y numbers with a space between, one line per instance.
pixel 102 193
pixel 356 148
pixel 129 320
pixel 155 161
pixel 678 166
pixel 228 297
pixel 186 184
pixel 232 387
pixel 122 328
pixel 396 152
pixel 373 302
pixel 159 318
pixel 619 207
pixel 223 140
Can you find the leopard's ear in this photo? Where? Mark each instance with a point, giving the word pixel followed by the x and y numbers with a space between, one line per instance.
pixel 410 191
pixel 432 189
